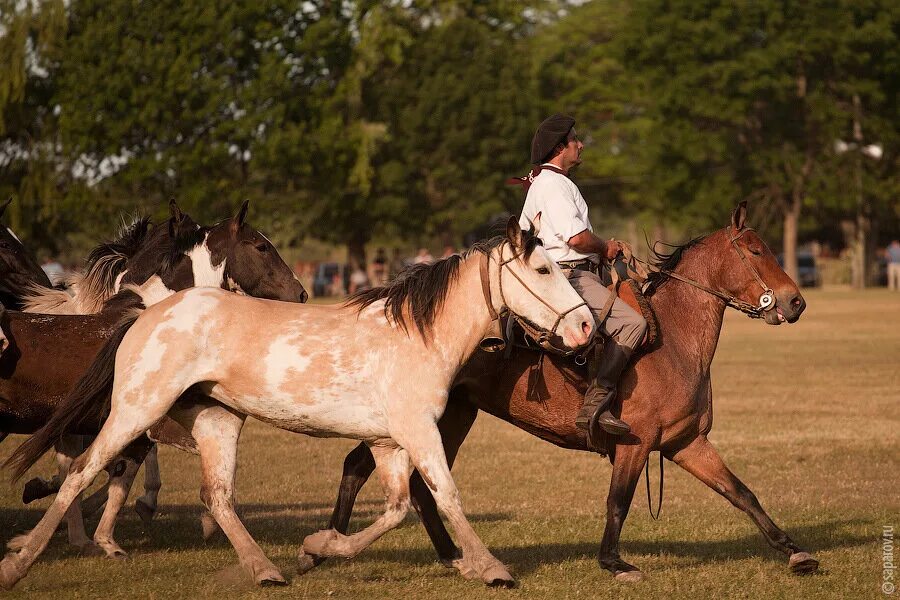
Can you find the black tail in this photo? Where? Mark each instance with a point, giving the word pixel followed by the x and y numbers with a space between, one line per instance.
pixel 86 405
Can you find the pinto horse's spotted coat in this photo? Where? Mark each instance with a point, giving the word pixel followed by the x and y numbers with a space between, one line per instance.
pixel 327 371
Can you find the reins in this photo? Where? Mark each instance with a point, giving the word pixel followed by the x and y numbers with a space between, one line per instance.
pixel 495 340
pixel 766 299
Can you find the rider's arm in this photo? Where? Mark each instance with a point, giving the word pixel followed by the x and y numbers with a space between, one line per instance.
pixel 588 243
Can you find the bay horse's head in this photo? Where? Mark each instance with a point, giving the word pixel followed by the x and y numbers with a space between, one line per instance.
pixel 750 272
pixel 18 268
pixel 532 286
pixel 249 262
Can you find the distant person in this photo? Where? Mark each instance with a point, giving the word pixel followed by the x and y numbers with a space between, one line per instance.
pixel 448 251
pixel 396 265
pixel 359 281
pixel 893 258
pixel 379 267
pixel 54 270
pixel 424 256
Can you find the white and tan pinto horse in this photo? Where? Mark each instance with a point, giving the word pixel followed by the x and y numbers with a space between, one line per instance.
pixel 327 372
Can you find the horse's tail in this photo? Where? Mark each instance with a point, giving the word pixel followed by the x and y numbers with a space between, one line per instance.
pixel 87 403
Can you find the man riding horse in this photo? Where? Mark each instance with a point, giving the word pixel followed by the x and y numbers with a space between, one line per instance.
pixel 569 239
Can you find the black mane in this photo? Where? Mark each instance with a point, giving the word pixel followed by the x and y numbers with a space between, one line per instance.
pixel 421 289
pixel 666 261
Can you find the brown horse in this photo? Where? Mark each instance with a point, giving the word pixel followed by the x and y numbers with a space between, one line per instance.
pixel 19 271
pixel 666 395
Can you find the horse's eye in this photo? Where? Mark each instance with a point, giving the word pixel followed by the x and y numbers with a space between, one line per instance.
pixel 543 270
pixel 755 250
pixel 261 246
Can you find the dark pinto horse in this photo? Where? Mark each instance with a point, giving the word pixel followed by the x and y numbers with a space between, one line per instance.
pixel 19 271
pixel 49 353
pixel 666 395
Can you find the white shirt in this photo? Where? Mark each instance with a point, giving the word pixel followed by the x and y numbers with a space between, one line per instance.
pixel 564 214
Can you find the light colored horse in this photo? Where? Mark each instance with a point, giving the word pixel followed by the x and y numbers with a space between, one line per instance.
pixel 325 371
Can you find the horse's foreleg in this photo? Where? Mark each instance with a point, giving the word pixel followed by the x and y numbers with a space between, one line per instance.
pixel 454 426
pixel 701 459
pixel 426 450
pixel 217 429
pixel 392 465
pixel 627 465
pixel 146 505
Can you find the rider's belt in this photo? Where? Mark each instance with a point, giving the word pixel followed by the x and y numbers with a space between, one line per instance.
pixel 581 265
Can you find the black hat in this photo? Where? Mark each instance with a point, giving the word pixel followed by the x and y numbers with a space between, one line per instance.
pixel 551 132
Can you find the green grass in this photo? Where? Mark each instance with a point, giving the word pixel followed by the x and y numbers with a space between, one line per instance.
pixel 806 415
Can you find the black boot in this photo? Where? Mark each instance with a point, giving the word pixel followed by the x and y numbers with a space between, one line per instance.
pixel 600 394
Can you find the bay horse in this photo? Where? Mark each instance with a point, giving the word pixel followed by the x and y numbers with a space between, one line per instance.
pixel 19 271
pixel 666 395
pixel 321 370
pixel 49 353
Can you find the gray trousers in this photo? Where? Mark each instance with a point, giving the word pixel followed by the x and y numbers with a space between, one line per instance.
pixel 625 325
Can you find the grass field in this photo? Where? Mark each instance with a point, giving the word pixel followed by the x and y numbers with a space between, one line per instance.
pixel 806 415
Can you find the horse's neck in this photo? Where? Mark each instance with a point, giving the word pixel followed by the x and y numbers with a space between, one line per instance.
pixel 690 320
pixel 464 318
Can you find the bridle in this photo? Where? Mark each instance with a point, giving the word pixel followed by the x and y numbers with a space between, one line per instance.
pixel 754 311
pixel 495 341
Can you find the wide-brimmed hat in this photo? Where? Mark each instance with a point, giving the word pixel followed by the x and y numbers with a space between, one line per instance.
pixel 551 132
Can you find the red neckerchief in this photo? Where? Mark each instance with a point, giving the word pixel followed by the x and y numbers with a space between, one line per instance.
pixel 527 180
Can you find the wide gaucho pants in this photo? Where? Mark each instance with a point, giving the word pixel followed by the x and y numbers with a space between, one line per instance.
pixel 625 325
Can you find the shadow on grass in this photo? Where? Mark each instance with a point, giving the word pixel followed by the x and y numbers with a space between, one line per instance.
pixel 177 527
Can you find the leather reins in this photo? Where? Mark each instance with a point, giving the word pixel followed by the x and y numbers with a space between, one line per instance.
pixel 754 311
pixel 496 341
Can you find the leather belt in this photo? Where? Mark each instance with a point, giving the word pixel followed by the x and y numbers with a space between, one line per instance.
pixel 582 265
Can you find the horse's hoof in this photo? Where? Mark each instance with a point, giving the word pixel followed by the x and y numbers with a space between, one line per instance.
pixel 91 549
pixel 144 511
pixel 307 562
pixel 802 563
pixel 317 543
pixel 9 573
pixel 269 578
pixel 629 576
pixel 497 576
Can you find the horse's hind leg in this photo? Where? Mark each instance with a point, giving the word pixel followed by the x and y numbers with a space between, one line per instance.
pixel 67 449
pixel 392 466
pixel 217 429
pixel 145 506
pixel 120 429
pixel 120 483
pixel 701 459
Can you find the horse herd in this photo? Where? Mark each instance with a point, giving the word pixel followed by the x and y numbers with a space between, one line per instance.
pixel 136 352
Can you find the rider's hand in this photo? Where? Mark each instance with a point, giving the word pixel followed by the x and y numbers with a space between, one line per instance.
pixel 613 247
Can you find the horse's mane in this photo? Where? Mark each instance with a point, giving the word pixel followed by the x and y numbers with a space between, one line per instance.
pixel 97 282
pixel 666 261
pixel 421 289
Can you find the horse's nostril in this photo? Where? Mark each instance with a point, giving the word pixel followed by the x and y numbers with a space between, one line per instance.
pixel 586 328
pixel 796 302
pixel 304 296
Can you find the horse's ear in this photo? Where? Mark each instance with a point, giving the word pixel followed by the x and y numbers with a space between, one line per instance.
pixel 514 232
pixel 739 216
pixel 177 215
pixel 239 218
pixel 5 204
pixel 536 225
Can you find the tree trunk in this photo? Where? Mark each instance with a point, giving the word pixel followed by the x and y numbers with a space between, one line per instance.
pixel 860 259
pixel 789 239
pixel 356 250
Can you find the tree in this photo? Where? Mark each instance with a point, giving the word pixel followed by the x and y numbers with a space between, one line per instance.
pixel 749 99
